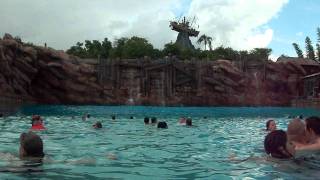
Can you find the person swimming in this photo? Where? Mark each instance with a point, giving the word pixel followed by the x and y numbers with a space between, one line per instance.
pixel 31 146
pixel 189 122
pixel 182 120
pixel 296 133
pixel 313 133
pixel 277 145
pixel 37 123
pixel 146 120
pixel 153 120
pixel 271 125
pixel 113 117
pixel 97 125
pixel 162 124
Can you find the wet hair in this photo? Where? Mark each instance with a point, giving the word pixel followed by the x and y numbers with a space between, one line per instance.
pixel 268 124
pixel 313 123
pixel 131 117
pixel 275 144
pixel 88 115
pixel 98 124
pixel 163 125
pixel 189 122
pixel 32 144
pixel 35 118
pixel 146 120
pixel 153 120
pixel 113 117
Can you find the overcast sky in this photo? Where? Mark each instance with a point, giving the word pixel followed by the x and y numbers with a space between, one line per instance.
pixel 240 24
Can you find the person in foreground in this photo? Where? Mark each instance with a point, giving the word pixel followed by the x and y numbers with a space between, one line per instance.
pixel 277 145
pixel 296 133
pixel 37 123
pixel 31 146
pixel 271 125
pixel 313 132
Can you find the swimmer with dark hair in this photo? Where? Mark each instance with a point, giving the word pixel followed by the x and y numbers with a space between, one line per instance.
pixel 37 123
pixel 271 125
pixel 162 125
pixel 277 145
pixel 31 146
pixel 189 122
pixel 97 125
pixel 153 120
pixel 146 120
pixel 113 117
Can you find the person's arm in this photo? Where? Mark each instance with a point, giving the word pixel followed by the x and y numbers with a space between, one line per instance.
pixel 310 147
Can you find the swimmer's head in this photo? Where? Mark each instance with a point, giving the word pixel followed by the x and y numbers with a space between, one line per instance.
pixel 97 125
pixel 146 120
pixel 271 125
pixel 113 117
pixel 163 125
pixel 36 119
pixel 296 131
pixel 31 145
pixel 276 145
pixel 153 120
pixel 313 125
pixel 189 122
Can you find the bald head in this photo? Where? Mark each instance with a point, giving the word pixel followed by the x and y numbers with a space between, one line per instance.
pixel 296 130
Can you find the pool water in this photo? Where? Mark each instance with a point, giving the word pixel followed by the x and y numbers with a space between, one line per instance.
pixel 224 143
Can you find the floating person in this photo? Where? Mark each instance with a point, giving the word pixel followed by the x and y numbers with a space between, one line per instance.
pixel 131 117
pixel 113 117
pixel 271 125
pixel 189 122
pixel 37 123
pixel 146 120
pixel 153 120
pixel 97 125
pixel 31 146
pixel 162 125
pixel 313 133
pixel 277 145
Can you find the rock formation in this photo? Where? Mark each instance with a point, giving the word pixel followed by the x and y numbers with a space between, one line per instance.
pixel 45 75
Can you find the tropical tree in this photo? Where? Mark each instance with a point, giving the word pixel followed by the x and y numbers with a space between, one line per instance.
pixel 298 50
pixel 205 40
pixel 309 49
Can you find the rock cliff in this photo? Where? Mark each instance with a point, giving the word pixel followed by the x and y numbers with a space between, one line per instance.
pixel 49 76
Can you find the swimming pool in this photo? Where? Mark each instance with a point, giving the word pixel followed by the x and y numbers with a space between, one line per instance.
pixel 217 147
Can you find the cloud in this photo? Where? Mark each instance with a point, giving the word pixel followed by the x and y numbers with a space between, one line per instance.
pixel 240 24
pixel 236 23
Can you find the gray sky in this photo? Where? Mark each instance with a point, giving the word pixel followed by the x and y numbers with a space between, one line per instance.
pixel 241 24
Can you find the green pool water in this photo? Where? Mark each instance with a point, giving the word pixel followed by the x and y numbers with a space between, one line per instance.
pixel 224 143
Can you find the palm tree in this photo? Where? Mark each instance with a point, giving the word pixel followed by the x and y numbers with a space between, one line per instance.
pixel 206 40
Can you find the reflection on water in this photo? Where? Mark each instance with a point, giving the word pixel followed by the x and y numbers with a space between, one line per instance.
pixel 227 144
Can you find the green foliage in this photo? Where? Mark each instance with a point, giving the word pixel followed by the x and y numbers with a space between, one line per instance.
pixel 318 52
pixel 298 50
pixel 91 49
pixel 309 49
pixel 137 47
